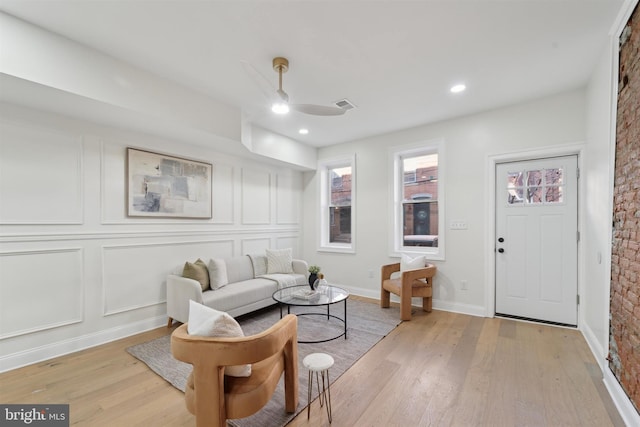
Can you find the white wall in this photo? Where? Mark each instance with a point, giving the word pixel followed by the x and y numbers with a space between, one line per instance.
pixel 469 141
pixel 75 271
pixel 598 200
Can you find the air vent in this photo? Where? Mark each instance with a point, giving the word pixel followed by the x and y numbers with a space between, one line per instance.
pixel 345 104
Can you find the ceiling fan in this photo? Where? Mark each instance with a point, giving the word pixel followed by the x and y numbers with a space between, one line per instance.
pixel 280 98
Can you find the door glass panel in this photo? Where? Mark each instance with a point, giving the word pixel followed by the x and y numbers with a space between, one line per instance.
pixel 553 176
pixel 515 196
pixel 554 195
pixel 515 179
pixel 534 195
pixel 534 178
pixel 515 183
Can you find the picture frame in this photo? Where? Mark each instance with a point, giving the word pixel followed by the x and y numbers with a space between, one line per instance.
pixel 165 186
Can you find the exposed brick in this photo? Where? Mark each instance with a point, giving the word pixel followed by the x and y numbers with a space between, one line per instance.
pixel 624 327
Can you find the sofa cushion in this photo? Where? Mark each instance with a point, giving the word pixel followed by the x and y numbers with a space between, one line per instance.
pixel 217 273
pixel 259 264
pixel 279 261
pixel 239 294
pixel 239 269
pixel 206 322
pixel 197 271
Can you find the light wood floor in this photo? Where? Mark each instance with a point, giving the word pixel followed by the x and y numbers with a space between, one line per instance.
pixel 439 369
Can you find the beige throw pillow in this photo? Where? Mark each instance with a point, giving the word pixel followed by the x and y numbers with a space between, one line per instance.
pixel 197 271
pixel 279 261
pixel 207 322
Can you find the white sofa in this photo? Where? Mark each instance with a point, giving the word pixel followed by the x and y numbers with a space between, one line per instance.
pixel 250 287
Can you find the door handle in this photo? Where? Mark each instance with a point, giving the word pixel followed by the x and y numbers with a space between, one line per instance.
pixel 501 250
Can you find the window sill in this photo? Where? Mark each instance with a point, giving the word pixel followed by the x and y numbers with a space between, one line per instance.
pixel 337 249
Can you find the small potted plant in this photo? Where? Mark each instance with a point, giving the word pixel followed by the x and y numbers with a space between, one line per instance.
pixel 313 270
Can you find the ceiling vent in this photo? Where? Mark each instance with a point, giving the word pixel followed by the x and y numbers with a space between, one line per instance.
pixel 345 104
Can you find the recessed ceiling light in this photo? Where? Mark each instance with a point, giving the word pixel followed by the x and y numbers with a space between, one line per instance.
pixel 458 88
pixel 303 131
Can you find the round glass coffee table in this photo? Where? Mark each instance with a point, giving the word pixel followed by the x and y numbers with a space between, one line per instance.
pixel 303 296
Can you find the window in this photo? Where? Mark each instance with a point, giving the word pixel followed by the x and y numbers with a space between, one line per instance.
pixel 418 218
pixel 337 193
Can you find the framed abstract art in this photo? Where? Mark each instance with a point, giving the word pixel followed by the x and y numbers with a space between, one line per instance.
pixel 163 186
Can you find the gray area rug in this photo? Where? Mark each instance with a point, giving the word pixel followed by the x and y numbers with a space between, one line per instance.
pixel 367 324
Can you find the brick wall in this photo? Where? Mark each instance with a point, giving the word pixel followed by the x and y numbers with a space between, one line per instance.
pixel 624 334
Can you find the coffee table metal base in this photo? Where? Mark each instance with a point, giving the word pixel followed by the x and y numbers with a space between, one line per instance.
pixel 328 315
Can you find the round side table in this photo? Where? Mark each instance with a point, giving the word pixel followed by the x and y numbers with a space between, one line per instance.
pixel 319 363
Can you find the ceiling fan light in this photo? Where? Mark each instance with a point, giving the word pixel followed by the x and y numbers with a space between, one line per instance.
pixel 458 88
pixel 280 108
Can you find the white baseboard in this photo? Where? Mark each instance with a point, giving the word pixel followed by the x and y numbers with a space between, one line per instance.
pixel 45 352
pixel 598 351
pixel 472 310
pixel 456 307
pixel 626 409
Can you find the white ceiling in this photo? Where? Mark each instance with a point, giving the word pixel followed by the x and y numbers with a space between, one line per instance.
pixel 394 59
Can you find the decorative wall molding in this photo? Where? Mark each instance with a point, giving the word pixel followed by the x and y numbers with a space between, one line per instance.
pixel 223 193
pixel 120 269
pixel 50 305
pixel 144 267
pixel 256 202
pixel 107 235
pixel 286 213
pixel 287 241
pixel 255 245
pixel 52 176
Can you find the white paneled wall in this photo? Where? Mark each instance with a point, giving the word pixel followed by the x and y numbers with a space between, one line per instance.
pixel 29 301
pixel 256 203
pixel 75 270
pixel 40 178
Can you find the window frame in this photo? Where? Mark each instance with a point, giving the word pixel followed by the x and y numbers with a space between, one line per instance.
pixel 325 186
pixel 396 202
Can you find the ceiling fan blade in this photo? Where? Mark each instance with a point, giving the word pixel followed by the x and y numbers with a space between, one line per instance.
pixel 318 110
pixel 266 87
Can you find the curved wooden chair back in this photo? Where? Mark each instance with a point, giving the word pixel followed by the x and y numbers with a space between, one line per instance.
pixel 213 397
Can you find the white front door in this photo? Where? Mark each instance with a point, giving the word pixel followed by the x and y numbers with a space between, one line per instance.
pixel 536 239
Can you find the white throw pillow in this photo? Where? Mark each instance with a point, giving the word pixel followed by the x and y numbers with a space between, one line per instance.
pixel 259 264
pixel 408 263
pixel 279 261
pixel 207 322
pixel 217 274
